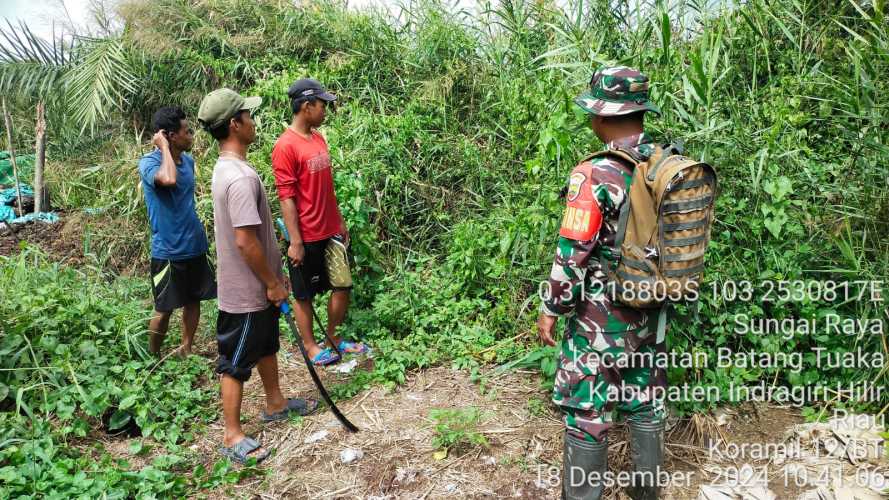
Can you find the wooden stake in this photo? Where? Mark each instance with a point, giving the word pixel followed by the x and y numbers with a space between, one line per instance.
pixel 15 171
pixel 40 148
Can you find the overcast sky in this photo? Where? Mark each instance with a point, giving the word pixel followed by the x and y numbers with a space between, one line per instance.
pixel 41 14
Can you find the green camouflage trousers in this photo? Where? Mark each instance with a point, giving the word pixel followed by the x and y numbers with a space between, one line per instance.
pixel 600 374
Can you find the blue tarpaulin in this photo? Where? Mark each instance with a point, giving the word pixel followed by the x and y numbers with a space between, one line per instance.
pixel 7 202
pixel 48 217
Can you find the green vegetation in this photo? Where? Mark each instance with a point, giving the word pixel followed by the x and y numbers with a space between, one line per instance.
pixel 74 365
pixel 536 407
pixel 451 141
pixel 457 428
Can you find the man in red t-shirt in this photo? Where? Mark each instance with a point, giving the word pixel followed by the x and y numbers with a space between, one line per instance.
pixel 319 239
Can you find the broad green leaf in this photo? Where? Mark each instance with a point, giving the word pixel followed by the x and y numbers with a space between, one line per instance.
pixel 118 419
pixel 128 401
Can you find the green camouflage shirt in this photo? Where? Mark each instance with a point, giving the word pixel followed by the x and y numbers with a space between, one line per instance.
pixel 575 283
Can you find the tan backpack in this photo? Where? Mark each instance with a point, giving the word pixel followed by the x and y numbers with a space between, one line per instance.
pixel 663 231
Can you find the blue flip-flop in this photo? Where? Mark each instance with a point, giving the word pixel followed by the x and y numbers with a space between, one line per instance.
pixel 350 347
pixel 325 357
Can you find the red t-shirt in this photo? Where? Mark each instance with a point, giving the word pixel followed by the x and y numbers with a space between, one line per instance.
pixel 302 171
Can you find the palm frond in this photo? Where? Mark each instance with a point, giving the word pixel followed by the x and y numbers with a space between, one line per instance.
pixel 28 78
pixel 22 44
pixel 93 75
pixel 101 80
pixel 30 65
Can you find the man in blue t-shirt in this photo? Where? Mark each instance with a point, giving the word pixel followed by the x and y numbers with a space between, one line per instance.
pixel 181 275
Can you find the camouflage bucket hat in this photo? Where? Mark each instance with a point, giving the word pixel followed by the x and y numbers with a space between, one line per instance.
pixel 615 91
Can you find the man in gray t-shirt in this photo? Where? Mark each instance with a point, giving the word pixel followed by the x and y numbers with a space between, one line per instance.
pixel 239 201
pixel 251 283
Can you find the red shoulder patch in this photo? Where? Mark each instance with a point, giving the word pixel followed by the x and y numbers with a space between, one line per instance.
pixel 582 218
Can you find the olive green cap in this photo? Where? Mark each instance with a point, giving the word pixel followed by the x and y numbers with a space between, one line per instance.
pixel 222 104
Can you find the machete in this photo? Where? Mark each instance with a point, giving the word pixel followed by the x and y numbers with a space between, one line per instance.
pixel 285 308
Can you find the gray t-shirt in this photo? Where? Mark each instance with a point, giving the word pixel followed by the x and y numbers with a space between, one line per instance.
pixel 239 200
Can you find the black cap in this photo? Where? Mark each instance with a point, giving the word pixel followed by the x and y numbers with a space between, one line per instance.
pixel 308 87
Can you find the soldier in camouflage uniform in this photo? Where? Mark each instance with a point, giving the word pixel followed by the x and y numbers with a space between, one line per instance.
pixel 591 383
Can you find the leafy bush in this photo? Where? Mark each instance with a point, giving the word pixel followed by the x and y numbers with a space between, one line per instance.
pixel 457 428
pixel 73 363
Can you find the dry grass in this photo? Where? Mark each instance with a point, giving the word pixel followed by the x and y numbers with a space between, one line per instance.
pixel 396 435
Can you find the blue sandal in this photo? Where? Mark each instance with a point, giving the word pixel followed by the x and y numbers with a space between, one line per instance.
pixel 325 357
pixel 350 347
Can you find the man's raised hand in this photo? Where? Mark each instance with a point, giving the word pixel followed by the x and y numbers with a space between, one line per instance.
pixel 160 140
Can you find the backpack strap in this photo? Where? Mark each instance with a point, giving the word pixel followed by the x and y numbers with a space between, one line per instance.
pixel 625 156
pixel 661 154
pixel 635 158
pixel 628 155
pixel 618 243
pixel 622 223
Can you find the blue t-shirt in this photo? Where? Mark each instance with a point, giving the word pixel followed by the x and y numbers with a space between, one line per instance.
pixel 176 231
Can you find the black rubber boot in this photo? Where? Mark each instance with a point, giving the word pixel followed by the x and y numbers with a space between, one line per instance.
pixel 580 459
pixel 647 447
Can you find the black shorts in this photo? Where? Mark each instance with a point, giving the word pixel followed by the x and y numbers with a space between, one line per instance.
pixel 245 338
pixel 324 267
pixel 176 283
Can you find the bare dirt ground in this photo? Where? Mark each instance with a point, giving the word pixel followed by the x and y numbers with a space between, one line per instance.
pixel 60 240
pixel 396 434
pixel 77 240
pixel 395 437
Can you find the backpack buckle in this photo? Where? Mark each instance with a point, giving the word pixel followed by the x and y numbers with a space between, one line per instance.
pixel 678 146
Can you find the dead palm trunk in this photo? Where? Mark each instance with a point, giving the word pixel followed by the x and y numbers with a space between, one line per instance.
pixel 40 148
pixel 15 172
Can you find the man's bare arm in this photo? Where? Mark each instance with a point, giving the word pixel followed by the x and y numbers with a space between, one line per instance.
pixel 251 250
pixel 166 175
pixel 296 251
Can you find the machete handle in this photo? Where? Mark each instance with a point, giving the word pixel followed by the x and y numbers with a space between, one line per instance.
pixel 283 228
